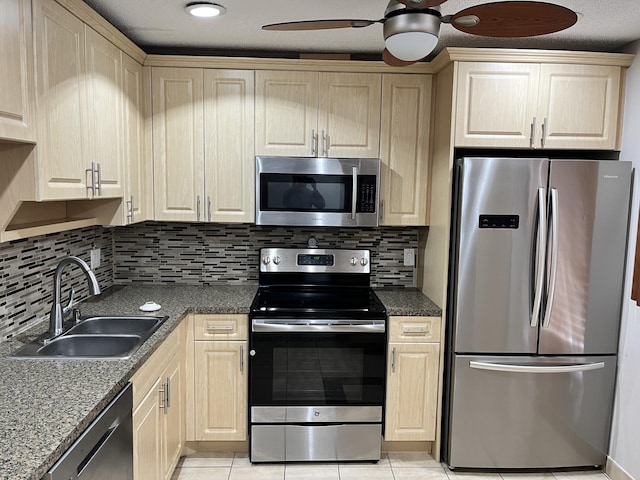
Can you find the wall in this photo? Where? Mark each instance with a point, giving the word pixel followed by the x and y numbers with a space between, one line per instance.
pixel 26 274
pixel 625 435
pixel 205 254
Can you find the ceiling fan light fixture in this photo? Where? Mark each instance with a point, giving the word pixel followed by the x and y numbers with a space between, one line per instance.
pixel 411 36
pixel 205 9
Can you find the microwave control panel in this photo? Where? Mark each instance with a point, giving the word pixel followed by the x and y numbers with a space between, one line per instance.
pixel 366 194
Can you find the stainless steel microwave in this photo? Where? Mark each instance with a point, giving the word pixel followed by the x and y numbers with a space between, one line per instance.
pixel 322 192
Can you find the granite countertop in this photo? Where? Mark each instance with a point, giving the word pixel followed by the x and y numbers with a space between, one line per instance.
pixel 46 404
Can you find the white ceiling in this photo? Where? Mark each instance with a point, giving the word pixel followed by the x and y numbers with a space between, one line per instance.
pixel 163 26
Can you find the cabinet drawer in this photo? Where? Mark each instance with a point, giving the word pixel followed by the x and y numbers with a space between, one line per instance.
pixel 220 327
pixel 414 329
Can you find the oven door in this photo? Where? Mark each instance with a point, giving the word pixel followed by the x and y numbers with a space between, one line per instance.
pixel 317 363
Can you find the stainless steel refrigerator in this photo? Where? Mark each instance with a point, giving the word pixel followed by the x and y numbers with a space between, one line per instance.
pixel 537 271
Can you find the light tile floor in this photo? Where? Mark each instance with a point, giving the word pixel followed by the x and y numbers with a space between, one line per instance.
pixel 392 466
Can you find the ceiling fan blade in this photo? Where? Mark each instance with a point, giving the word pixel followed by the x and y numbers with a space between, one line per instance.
pixel 418 4
pixel 392 61
pixel 513 19
pixel 319 24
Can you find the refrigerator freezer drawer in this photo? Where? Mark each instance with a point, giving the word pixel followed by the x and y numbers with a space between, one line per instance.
pixel 530 412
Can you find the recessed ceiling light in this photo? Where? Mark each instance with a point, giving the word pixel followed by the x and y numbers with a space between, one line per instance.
pixel 205 9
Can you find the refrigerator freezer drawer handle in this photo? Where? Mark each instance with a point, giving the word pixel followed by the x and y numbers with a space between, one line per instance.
pixel 541 253
pixel 553 271
pixel 500 367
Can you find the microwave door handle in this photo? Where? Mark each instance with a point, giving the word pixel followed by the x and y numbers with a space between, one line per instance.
pixel 354 192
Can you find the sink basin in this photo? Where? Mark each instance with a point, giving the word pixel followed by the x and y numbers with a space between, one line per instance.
pixel 91 346
pixel 99 337
pixel 105 325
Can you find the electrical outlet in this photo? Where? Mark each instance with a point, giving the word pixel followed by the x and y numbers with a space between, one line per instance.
pixel 409 257
pixel 95 258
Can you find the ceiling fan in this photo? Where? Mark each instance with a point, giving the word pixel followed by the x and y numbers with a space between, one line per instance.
pixel 411 27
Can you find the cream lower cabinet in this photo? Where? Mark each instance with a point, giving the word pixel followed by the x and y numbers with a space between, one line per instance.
pixel 317 114
pixel 17 120
pixel 404 149
pixel 219 408
pixel 528 105
pixel 412 379
pixel 203 145
pixel 159 411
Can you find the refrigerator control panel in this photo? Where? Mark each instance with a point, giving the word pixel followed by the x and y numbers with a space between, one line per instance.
pixel 499 221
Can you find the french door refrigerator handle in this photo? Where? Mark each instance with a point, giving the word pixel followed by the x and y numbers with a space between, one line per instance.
pixel 354 192
pixel 500 367
pixel 541 252
pixel 554 258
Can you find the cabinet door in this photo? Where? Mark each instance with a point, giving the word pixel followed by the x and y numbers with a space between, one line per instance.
pixel 404 149
pixel 229 152
pixel 286 113
pixel 221 393
pixel 61 90
pixel 147 436
pixel 580 105
pixel 173 420
pixel 412 391
pixel 178 144
pixel 496 104
pixel 16 72
pixel 104 118
pixel 137 159
pixel 349 115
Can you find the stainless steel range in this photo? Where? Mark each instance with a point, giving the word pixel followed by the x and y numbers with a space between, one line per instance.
pixel 317 350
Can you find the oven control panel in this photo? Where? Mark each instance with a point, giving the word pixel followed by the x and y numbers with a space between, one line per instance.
pixel 314 260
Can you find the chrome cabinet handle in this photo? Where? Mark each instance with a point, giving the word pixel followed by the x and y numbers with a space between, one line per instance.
pixel 163 398
pixel 314 143
pixel 544 132
pixel 415 331
pixel 532 135
pixel 551 287
pixel 328 146
pixel 381 211
pixel 393 360
pixel 130 214
pixel 168 392
pixel 219 329
pixel 198 208
pixel 99 174
pixel 324 141
pixel 93 178
pixel 541 253
pixel 241 358
pixel 209 208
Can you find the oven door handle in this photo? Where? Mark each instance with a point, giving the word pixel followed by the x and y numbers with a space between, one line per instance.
pixel 318 326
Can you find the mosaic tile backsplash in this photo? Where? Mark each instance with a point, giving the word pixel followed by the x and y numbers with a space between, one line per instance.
pixel 26 274
pixel 206 254
pixel 172 253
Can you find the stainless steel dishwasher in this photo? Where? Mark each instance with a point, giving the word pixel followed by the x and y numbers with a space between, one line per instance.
pixel 104 451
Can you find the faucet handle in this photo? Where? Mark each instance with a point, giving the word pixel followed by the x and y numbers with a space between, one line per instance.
pixel 69 305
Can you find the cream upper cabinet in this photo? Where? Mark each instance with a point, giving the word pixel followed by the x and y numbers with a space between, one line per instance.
pixel 412 379
pixel 194 179
pixel 219 397
pixel 16 72
pixel 79 141
pixel 229 139
pixel 404 149
pixel 104 115
pixel 318 114
pixel 137 156
pixel 524 105
pixel 178 143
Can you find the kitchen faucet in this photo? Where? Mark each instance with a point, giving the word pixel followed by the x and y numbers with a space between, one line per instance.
pixel 58 312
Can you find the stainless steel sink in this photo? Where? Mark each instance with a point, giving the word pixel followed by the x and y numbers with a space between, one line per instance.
pixel 104 325
pixel 90 346
pixel 98 337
